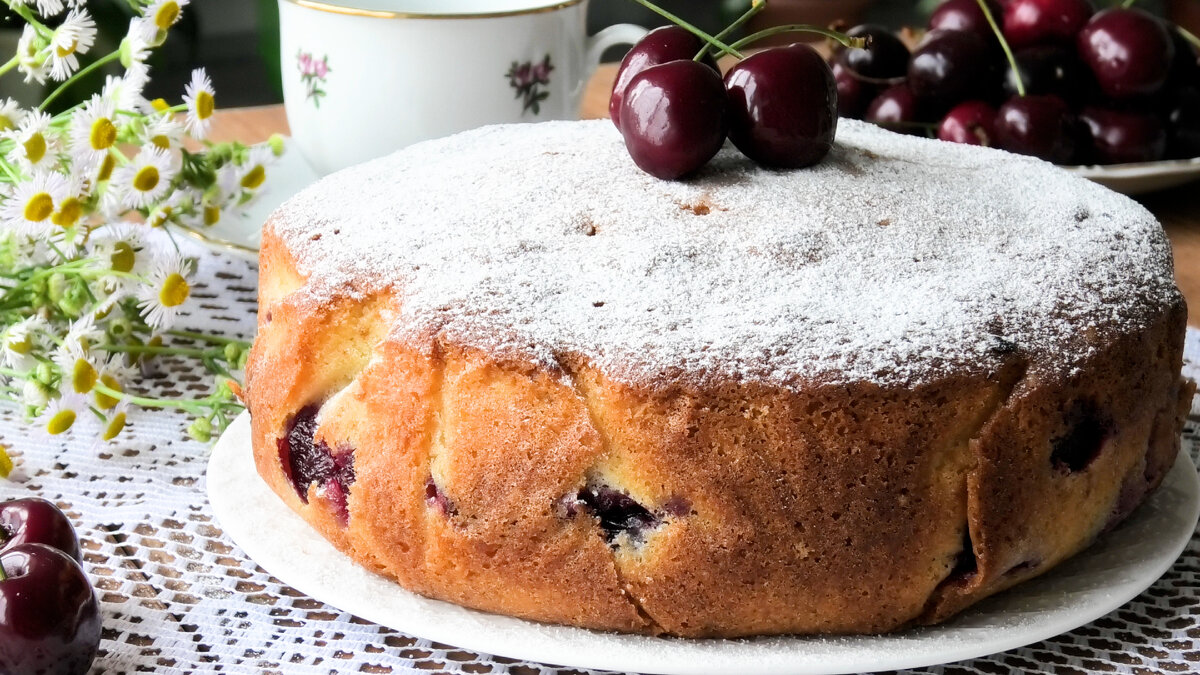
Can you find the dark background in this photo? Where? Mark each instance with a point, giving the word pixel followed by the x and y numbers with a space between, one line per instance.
pixel 237 40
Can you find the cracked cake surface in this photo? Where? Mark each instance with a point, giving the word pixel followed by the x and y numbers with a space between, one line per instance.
pixel 509 370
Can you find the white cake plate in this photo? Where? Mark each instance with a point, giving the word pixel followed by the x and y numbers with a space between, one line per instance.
pixel 1112 572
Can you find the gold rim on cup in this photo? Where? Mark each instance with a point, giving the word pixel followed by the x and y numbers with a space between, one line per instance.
pixel 382 14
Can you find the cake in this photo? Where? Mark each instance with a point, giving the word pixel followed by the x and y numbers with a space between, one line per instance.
pixel 510 371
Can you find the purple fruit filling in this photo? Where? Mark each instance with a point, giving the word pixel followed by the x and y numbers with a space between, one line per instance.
pixel 616 511
pixel 437 499
pixel 1087 430
pixel 306 461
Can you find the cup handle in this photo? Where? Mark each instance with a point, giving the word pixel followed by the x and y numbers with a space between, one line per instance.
pixel 620 34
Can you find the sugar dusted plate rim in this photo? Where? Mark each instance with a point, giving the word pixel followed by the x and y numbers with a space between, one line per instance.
pixel 1112 572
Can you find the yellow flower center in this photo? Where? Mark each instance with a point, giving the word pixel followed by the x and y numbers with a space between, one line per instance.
pixel 161 142
pixel 254 178
pixel 106 168
pixel 146 179
pixel 115 426
pixel 84 376
pixel 35 148
pixel 6 123
pixel 212 215
pixel 39 207
pixel 204 105
pixel 167 15
pixel 175 290
pixel 69 213
pixel 104 134
pixel 64 51
pixel 122 257
pixel 6 463
pixel 61 422
pixel 159 105
pixel 104 401
pixel 22 346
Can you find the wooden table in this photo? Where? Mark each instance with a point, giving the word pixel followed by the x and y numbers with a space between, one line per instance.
pixel 1178 209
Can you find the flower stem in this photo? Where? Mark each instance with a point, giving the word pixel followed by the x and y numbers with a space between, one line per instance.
pixel 756 6
pixel 195 406
pixel 842 38
pixel 12 63
pixel 23 12
pixel 724 48
pixel 1008 53
pixel 1188 35
pixel 94 65
pixel 209 338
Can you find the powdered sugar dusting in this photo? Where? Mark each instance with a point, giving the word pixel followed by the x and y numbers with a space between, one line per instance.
pixel 895 260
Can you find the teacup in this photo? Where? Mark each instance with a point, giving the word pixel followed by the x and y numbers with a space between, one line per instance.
pixel 362 78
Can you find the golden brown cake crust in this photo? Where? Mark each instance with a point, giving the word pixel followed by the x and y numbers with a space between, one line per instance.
pixel 768 505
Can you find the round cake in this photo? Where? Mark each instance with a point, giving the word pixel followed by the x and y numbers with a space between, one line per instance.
pixel 511 371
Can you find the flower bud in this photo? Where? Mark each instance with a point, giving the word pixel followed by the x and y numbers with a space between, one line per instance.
pixel 200 430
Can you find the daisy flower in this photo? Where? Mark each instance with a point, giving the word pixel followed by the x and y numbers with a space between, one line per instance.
pixel 160 300
pixel 83 334
pixel 162 14
pixel 29 209
pixel 75 36
pixel 201 102
pixel 35 144
pixel 20 341
pixel 135 47
pixel 93 131
pixel 163 132
pixel 32 59
pixel 62 413
pixel 253 173
pixel 146 179
pixel 46 8
pixel 79 373
pixel 11 114
pixel 126 91
pixel 115 422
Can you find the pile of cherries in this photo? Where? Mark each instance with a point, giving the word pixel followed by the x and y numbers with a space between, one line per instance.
pixel 674 110
pixel 49 618
pixel 1115 86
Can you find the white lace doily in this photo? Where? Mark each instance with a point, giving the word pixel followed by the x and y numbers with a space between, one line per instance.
pixel 178 597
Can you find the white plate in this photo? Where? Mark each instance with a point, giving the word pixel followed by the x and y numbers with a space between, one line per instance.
pixel 1136 179
pixel 242 236
pixel 1112 572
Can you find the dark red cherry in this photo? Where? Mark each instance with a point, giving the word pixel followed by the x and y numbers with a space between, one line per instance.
pixel 783 106
pixel 1032 22
pixel 885 58
pixel 854 93
pixel 950 66
pixel 897 109
pixel 1183 123
pixel 36 521
pixel 965 15
pixel 1129 52
pixel 1049 69
pixel 49 618
pixel 1120 136
pixel 1041 126
pixel 972 122
pixel 674 118
pixel 661 45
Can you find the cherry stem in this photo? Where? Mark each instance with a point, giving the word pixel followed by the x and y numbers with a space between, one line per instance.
pixel 689 28
pixel 3 576
pixel 1008 53
pixel 841 38
pixel 1188 35
pixel 756 6
pixel 1128 3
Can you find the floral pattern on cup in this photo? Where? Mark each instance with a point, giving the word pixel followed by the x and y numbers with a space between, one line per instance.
pixel 312 74
pixel 527 79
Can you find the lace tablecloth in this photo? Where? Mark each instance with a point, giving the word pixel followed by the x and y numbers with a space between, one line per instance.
pixel 178 596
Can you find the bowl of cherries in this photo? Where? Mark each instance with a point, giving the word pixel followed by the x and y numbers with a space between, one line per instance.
pixel 49 617
pixel 1112 94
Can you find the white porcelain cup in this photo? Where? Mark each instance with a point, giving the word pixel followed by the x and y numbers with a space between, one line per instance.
pixel 362 78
